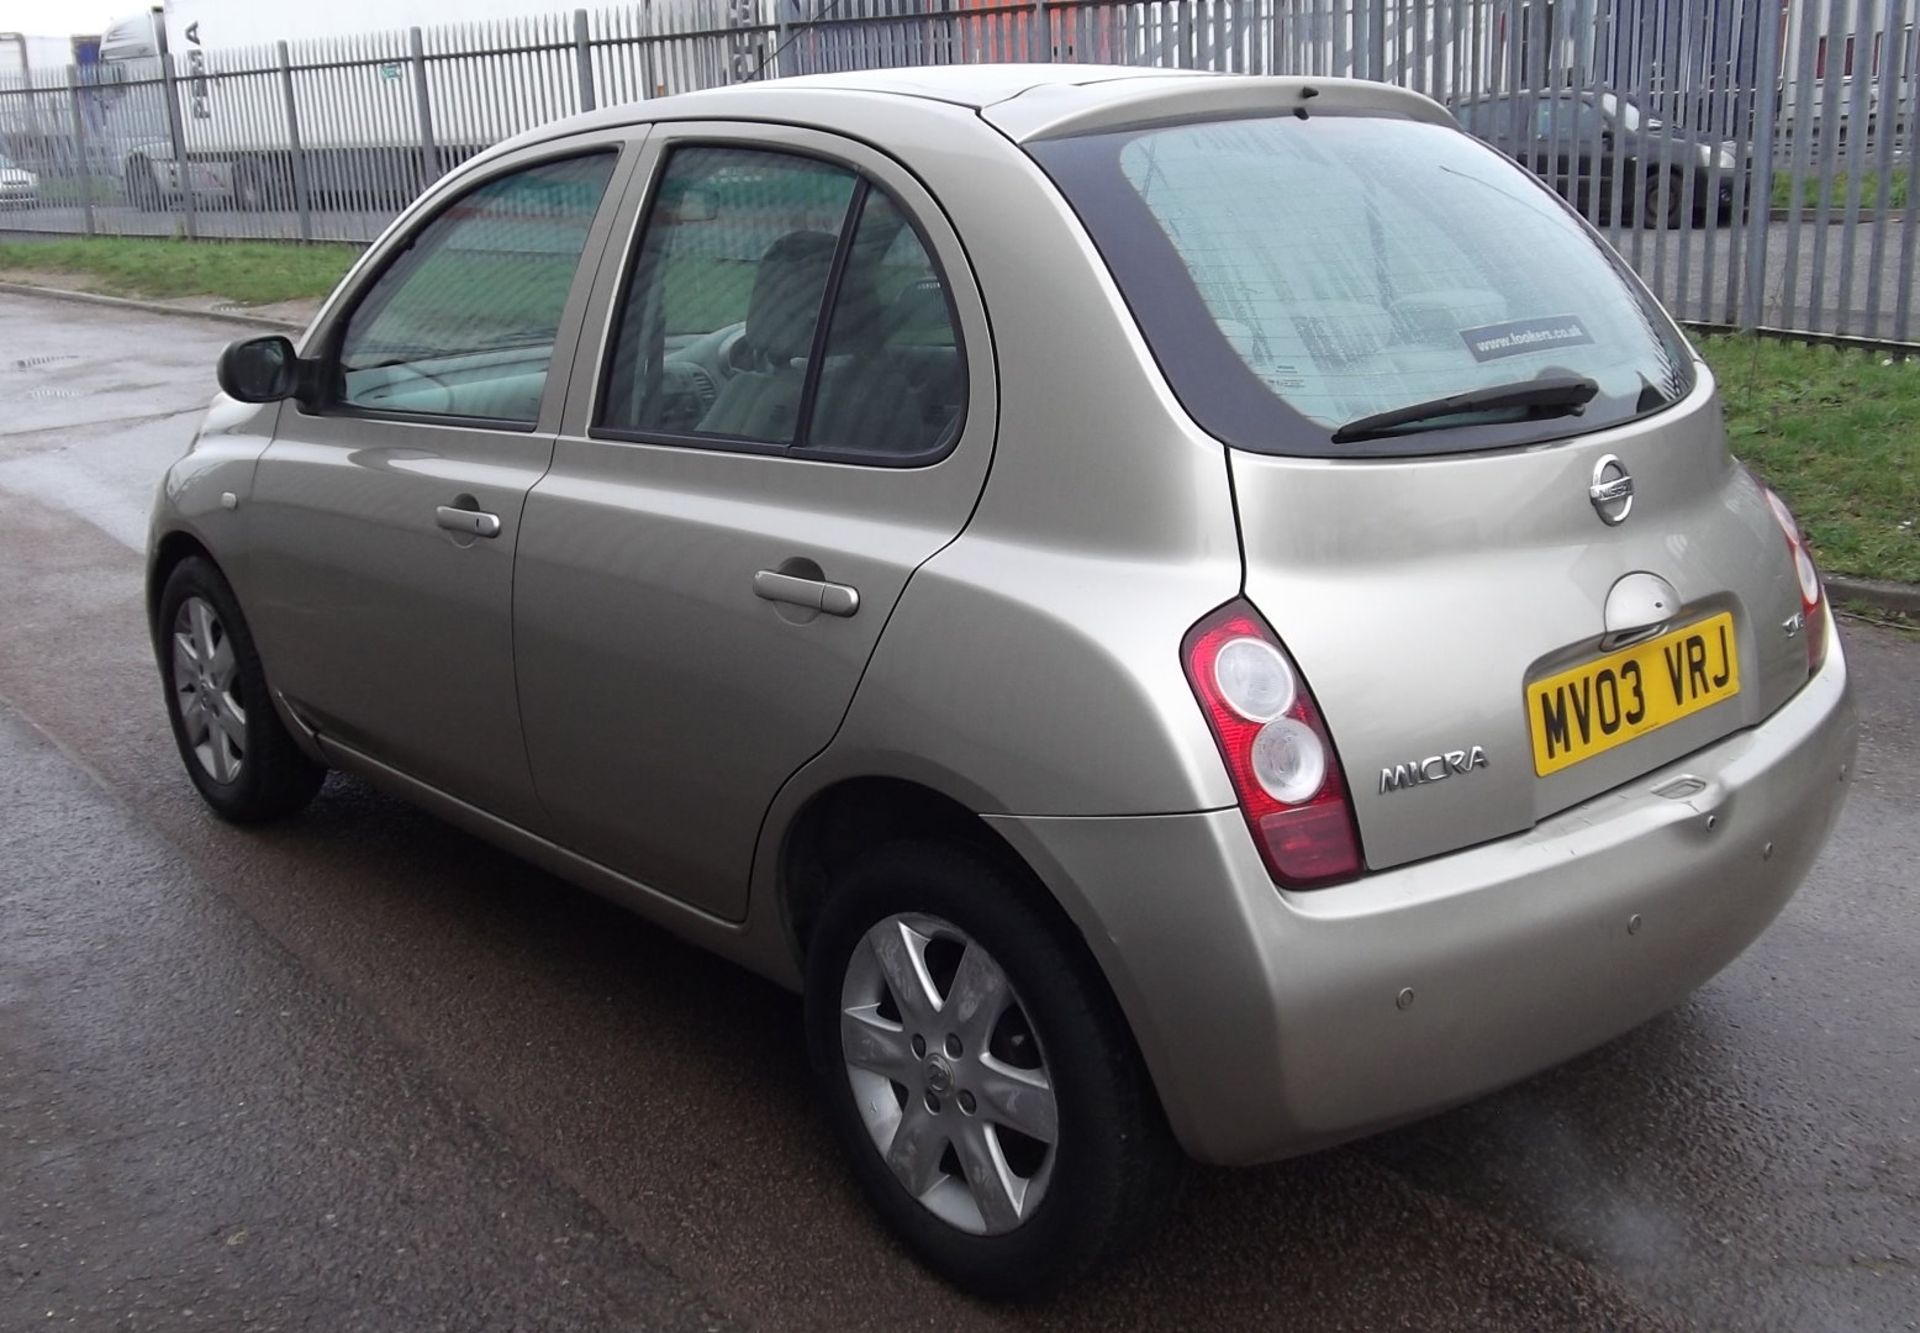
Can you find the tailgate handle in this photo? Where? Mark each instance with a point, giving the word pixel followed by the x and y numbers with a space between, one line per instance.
pixel 1639 606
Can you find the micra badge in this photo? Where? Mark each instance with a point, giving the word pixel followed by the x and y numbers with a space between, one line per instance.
pixel 1434 768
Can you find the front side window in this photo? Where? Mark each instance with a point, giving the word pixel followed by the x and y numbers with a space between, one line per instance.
pixel 462 323
pixel 1295 278
pixel 783 301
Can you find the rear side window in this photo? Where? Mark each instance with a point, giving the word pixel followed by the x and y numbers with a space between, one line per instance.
pixel 724 300
pixel 1293 276
pixel 462 323
pixel 1497 117
pixel 1564 118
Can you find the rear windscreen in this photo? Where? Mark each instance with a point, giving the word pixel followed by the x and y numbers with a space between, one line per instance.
pixel 1296 275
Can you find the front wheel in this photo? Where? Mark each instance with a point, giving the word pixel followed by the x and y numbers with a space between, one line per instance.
pixel 235 748
pixel 980 1075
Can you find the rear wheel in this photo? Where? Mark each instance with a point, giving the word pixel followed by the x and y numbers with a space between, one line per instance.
pixel 1661 205
pixel 143 189
pixel 234 746
pixel 980 1075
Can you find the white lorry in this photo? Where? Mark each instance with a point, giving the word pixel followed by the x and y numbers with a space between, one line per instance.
pixel 331 103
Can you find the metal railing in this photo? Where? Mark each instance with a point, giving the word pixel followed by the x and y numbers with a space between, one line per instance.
pixel 1751 158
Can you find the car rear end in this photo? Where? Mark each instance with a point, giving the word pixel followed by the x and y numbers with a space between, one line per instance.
pixel 1531 703
pixel 19 188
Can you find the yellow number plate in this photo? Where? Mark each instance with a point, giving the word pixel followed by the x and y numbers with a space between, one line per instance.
pixel 1607 702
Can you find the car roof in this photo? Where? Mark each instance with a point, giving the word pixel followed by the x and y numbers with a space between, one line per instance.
pixel 976 86
pixel 1022 101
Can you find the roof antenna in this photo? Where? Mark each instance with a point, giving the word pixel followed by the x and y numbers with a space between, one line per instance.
pixel 1305 93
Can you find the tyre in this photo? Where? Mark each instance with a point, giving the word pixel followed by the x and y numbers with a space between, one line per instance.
pixel 251 191
pixel 235 748
pixel 143 191
pixel 979 1073
pixel 1662 203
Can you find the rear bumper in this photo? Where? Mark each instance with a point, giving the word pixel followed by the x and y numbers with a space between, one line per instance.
pixel 1275 1023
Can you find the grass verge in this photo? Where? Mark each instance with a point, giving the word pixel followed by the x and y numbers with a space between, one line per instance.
pixel 1893 192
pixel 247 272
pixel 1837 433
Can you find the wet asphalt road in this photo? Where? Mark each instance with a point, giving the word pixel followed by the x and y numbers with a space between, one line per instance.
pixel 362 1071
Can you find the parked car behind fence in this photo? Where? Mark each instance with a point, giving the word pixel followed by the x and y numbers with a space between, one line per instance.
pixel 1599 151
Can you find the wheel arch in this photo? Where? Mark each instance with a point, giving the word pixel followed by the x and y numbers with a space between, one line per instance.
pixel 168 552
pixel 847 816
pixel 856 812
pixel 175 547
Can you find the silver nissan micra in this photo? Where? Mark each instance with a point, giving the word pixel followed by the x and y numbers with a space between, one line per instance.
pixel 1191 615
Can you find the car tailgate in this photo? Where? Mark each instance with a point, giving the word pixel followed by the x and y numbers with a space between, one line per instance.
pixel 1420 596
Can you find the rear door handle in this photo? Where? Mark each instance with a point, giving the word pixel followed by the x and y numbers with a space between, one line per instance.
pixel 836 599
pixel 471 522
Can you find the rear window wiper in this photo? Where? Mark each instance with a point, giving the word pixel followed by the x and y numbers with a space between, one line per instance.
pixel 1550 396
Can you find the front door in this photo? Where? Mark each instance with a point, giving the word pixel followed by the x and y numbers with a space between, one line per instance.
pixel 792 412
pixel 386 512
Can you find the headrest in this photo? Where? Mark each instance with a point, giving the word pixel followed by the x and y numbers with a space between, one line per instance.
pixel 786 295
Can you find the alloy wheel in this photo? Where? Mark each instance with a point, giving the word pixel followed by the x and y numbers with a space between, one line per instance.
pixel 206 690
pixel 947 1073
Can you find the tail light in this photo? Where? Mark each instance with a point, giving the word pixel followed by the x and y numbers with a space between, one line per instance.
pixel 1813 599
pixel 1281 759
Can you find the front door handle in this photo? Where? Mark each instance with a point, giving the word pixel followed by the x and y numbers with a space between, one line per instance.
pixel 468 522
pixel 836 599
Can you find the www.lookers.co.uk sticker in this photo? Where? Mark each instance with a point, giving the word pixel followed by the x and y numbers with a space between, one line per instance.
pixel 1490 342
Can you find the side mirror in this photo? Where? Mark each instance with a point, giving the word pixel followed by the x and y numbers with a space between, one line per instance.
pixel 259 370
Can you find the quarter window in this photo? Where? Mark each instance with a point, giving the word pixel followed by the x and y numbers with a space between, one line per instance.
pixel 462 323
pixel 891 381
pixel 1564 118
pixel 720 332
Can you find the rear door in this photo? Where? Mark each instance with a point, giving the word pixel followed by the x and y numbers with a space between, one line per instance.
pixel 385 515
pixel 790 409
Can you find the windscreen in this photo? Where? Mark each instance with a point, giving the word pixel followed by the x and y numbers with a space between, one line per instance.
pixel 1294 276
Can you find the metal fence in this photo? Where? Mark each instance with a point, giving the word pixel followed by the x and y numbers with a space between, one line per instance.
pixel 1751 158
